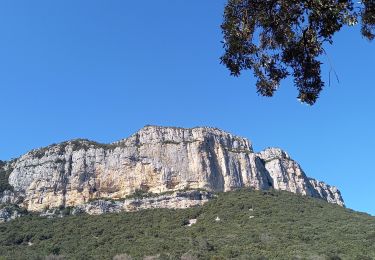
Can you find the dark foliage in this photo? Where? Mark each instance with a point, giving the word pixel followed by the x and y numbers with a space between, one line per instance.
pixel 368 19
pixel 283 226
pixel 4 178
pixel 277 38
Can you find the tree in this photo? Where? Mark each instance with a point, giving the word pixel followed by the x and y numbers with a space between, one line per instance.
pixel 281 38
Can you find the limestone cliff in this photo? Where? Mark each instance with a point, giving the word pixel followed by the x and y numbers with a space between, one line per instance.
pixel 155 159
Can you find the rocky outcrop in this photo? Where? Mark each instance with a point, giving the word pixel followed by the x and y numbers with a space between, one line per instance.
pixel 9 197
pixel 177 200
pixel 10 212
pixel 156 160
pixel 287 175
pixel 168 200
pixel 329 193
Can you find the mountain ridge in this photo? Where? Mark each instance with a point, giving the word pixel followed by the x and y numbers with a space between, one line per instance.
pixel 154 159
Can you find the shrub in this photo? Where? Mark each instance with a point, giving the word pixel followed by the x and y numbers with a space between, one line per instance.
pixel 54 257
pixel 4 178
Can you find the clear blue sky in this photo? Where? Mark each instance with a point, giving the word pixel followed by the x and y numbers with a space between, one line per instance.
pixel 104 69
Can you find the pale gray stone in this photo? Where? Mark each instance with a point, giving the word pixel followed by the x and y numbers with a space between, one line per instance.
pixel 155 159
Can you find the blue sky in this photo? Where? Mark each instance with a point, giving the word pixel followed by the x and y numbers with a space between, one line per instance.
pixel 103 69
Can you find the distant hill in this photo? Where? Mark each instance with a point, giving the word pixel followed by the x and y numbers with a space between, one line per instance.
pixel 240 224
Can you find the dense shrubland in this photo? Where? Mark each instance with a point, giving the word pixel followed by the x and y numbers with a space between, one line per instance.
pixel 253 225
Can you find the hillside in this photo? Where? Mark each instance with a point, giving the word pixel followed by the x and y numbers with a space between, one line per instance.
pixel 252 225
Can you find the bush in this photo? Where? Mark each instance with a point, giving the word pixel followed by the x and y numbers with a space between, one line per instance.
pixel 4 178
pixel 54 257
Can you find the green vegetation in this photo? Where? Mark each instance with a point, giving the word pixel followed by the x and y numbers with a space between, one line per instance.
pixel 11 208
pixel 277 39
pixel 77 144
pixel 171 142
pixel 4 178
pixel 142 194
pixel 253 225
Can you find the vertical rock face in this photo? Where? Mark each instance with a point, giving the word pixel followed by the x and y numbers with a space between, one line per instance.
pixel 287 175
pixel 329 193
pixel 155 159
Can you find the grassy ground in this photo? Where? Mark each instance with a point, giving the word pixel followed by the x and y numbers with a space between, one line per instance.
pixel 280 226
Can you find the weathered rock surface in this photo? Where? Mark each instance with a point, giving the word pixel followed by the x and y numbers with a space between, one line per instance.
pixel 9 197
pixel 169 200
pixel 10 212
pixel 182 199
pixel 157 160
pixel 288 175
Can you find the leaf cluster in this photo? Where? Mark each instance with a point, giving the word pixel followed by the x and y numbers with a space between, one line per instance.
pixel 279 38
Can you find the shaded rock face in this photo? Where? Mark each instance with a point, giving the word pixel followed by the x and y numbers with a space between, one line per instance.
pixel 155 159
